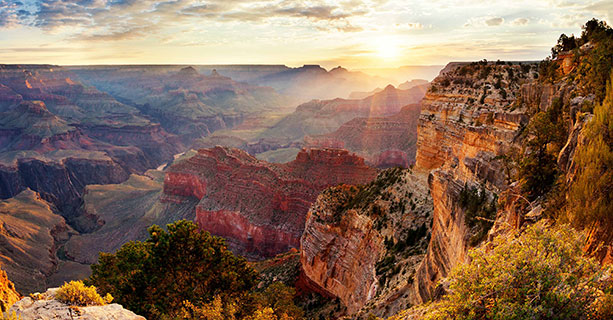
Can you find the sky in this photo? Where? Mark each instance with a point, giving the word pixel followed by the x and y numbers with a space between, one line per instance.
pixel 356 34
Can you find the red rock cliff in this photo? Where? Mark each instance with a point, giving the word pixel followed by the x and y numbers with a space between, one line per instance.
pixel 259 207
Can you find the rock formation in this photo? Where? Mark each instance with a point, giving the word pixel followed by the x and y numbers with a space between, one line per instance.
pixel 383 141
pixel 184 101
pixel 361 243
pixel 259 207
pixel 46 307
pixel 470 116
pixel 31 233
pixel 124 211
pixel 320 117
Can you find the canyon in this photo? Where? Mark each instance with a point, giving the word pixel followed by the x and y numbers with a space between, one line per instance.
pixel 383 141
pixel 325 116
pixel 259 207
pixel 362 244
pixel 468 119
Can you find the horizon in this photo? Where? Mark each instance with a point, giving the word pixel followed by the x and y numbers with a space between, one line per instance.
pixel 355 34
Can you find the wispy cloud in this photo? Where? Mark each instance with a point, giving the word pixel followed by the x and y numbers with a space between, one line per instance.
pixel 289 31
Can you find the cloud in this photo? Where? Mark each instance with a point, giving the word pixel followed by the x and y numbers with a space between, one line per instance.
pixel 410 26
pixel 10 13
pixel 484 21
pixel 494 21
pixel 520 21
pixel 602 7
pixel 122 19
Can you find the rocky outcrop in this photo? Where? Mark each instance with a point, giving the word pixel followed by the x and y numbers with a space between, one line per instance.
pixel 382 141
pixel 472 114
pixel 361 243
pixel 46 307
pixel 259 207
pixel 30 233
pixel 57 136
pixel 61 183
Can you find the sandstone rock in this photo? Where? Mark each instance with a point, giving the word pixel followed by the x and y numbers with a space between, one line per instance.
pixel 466 121
pixel 375 114
pixel 30 233
pixel 47 308
pixel 382 141
pixel 259 207
pixel 350 239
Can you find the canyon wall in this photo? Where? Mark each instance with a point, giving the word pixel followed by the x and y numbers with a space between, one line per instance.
pixel 259 207
pixel 383 141
pixel 360 244
pixel 469 117
pixel 473 114
pixel 462 134
pixel 30 233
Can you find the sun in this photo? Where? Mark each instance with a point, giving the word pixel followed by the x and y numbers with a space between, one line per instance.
pixel 387 49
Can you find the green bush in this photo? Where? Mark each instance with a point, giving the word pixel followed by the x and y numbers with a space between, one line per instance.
pixel 154 278
pixel 547 134
pixel 479 211
pixel 78 294
pixel 591 193
pixel 538 274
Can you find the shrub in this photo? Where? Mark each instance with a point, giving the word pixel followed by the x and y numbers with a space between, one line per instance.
pixel 77 293
pixel 479 212
pixel 590 194
pixel 215 310
pixel 279 298
pixel 547 134
pixel 155 277
pixel 539 274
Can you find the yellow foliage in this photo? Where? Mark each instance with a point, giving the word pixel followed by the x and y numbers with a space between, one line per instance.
pixel 590 199
pixel 214 310
pixel 264 314
pixel 77 293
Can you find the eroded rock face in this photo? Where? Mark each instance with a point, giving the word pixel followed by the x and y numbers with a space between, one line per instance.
pixel 373 118
pixel 30 233
pixel 361 243
pixel 57 135
pixel 61 183
pixel 48 308
pixel 471 115
pixel 382 141
pixel 259 207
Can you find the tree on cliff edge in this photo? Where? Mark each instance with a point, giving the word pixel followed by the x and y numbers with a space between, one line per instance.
pixel 155 277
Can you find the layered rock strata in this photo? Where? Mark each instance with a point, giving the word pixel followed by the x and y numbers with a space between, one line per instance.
pixel 360 244
pixel 259 207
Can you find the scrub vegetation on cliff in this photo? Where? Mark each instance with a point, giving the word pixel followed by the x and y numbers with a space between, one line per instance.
pixel 185 273
pixel 591 193
pixel 540 273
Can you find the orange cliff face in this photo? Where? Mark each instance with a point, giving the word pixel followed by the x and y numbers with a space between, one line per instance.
pixel 472 114
pixel 464 125
pixel 349 231
pixel 465 122
pixel 259 207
